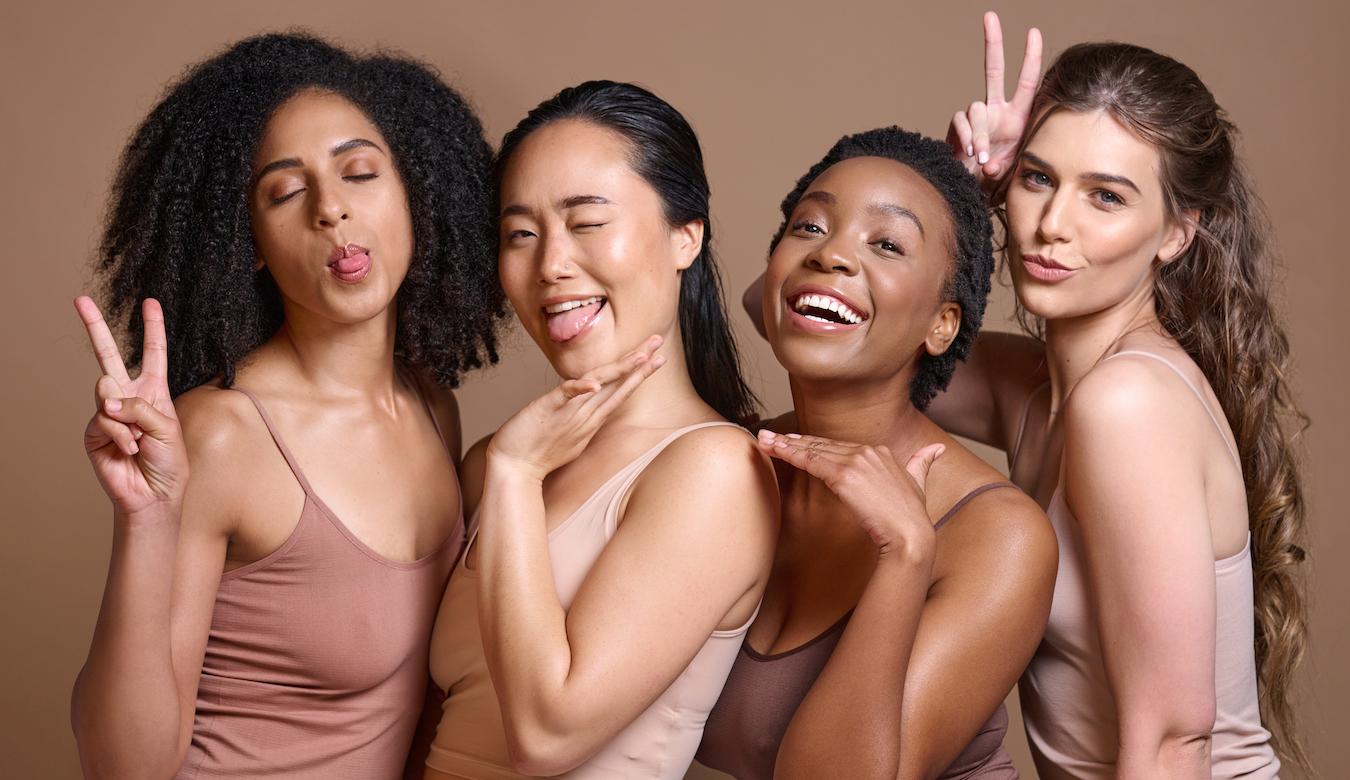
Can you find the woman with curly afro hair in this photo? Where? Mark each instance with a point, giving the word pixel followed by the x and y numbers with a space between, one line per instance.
pixel 309 234
pixel 911 580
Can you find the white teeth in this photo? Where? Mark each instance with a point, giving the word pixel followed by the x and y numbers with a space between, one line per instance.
pixel 559 308
pixel 827 303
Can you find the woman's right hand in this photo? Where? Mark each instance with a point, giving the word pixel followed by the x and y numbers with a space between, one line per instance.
pixel 985 136
pixel 885 498
pixel 134 441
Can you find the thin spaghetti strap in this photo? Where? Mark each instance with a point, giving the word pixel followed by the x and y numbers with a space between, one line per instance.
pixel 1199 396
pixel 1022 425
pixel 416 382
pixel 276 437
pixel 966 499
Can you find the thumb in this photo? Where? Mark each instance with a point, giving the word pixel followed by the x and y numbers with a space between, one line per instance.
pixel 139 412
pixel 920 462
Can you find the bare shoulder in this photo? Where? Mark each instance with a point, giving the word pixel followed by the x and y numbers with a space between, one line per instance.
pixel 445 408
pixel 224 434
pixel 717 470
pixel 1001 527
pixel 1125 399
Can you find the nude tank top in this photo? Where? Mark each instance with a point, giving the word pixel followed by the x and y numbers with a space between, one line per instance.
pixel 316 663
pixel 763 692
pixel 1066 702
pixel 660 743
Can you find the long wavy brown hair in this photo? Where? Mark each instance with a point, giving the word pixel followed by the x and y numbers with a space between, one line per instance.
pixel 1215 300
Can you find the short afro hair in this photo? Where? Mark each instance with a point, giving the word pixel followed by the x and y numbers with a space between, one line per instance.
pixel 178 225
pixel 972 253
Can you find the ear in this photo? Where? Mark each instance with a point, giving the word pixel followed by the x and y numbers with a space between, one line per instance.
pixel 688 241
pixel 946 324
pixel 1179 236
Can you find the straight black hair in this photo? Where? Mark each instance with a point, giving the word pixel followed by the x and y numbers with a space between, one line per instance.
pixel 665 152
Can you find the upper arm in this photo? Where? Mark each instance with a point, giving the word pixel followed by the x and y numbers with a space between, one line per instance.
pixel 990 389
pixel 218 443
pixel 1134 483
pixel 693 549
pixel 979 628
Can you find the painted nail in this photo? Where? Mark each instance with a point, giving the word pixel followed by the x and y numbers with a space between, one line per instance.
pixel 970 151
pixel 135 448
pixel 984 158
pixel 794 435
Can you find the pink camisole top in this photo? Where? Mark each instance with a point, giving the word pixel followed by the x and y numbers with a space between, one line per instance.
pixel 316 662
pixel 1066 702
pixel 659 744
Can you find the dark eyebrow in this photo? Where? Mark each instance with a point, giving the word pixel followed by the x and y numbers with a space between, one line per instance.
pixel 1104 178
pixel 294 162
pixel 827 198
pixel 570 202
pixel 893 210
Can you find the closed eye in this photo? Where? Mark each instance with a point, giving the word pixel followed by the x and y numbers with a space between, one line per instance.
pixel 277 201
pixel 362 177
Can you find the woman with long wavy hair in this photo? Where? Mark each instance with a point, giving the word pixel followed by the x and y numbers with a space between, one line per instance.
pixel 1150 413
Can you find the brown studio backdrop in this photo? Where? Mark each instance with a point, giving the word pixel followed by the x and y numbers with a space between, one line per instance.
pixel 768 87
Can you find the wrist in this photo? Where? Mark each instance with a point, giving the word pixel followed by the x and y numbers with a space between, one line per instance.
pixel 506 469
pixel 159 515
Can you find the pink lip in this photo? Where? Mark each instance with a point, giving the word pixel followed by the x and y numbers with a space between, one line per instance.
pixel 1046 270
pixel 349 264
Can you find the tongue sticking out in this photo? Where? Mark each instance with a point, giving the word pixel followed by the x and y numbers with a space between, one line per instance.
pixel 352 264
pixel 568 324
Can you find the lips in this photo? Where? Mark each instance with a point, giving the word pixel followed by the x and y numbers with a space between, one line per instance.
pixel 822 310
pixel 1046 269
pixel 350 263
pixel 569 317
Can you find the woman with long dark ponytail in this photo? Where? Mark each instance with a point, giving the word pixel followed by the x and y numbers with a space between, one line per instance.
pixel 622 528
pixel 1150 413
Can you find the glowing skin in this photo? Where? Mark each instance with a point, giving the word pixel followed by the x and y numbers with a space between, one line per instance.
pixel 857 232
pixel 578 222
pixel 1086 196
pixel 327 181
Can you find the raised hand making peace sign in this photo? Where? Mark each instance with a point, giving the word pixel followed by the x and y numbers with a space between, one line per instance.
pixel 134 440
pixel 985 135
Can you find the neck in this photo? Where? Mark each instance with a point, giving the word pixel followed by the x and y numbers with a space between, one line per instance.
pixel 341 361
pixel 1075 345
pixel 666 396
pixel 859 412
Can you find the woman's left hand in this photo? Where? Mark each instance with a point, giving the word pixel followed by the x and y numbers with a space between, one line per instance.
pixel 886 499
pixel 553 429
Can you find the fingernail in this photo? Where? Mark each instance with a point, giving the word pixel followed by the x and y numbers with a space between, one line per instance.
pixel 659 360
pixel 766 434
pixel 794 435
pixel 970 151
pixel 138 434
pixel 984 158
pixel 134 448
pixel 113 404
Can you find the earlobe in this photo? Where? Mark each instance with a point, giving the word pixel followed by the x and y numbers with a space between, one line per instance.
pixel 944 330
pixel 1180 236
pixel 689 243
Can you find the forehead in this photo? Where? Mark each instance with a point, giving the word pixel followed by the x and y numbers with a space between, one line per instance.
pixel 569 157
pixel 861 181
pixel 314 119
pixel 1094 142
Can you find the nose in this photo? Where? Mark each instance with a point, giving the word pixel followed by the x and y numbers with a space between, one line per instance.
pixel 831 256
pixel 555 262
pixel 330 208
pixel 1054 227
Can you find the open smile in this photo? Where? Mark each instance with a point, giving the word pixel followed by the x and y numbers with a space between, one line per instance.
pixel 823 311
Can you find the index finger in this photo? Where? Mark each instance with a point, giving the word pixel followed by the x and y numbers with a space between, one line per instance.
pixel 155 347
pixel 993 58
pixel 105 346
pixel 1030 75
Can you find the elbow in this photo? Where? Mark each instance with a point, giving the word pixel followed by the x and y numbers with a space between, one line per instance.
pixel 112 748
pixel 540 749
pixel 1176 746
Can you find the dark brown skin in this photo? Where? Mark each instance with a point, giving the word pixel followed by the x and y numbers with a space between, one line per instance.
pixel 328 379
pixel 943 623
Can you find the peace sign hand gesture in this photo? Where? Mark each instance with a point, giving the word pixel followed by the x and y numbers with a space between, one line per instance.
pixel 134 440
pixel 985 135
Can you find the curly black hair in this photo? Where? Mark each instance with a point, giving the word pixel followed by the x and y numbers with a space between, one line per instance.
pixel 972 252
pixel 178 227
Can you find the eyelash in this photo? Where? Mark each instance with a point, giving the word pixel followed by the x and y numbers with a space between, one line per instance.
pixel 1107 198
pixel 805 226
pixel 358 177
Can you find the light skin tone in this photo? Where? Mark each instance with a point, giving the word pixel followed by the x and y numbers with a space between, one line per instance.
pixel 1148 476
pixel 857 526
pixel 694 541
pixel 328 380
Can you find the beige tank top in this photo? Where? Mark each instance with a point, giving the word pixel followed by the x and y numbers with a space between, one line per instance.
pixel 660 743
pixel 1066 703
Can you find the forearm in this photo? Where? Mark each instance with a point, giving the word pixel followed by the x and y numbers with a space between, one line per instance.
pixel 849 723
pixel 523 623
pixel 126 708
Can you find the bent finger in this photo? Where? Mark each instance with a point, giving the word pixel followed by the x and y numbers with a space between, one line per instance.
pixel 143 414
pixel 922 461
pixel 104 429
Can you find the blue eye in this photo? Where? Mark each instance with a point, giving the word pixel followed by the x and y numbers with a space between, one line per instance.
pixel 1110 198
pixel 1037 179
